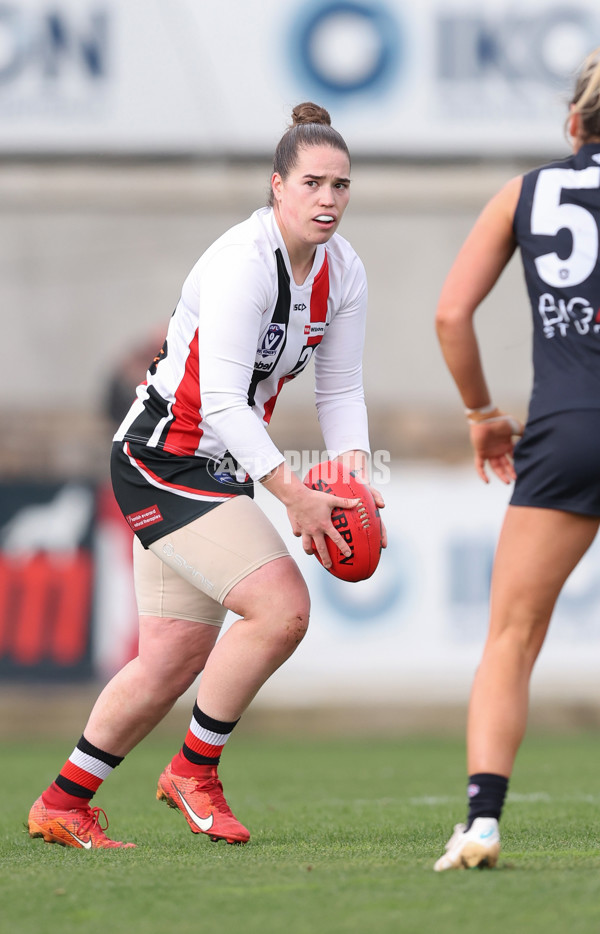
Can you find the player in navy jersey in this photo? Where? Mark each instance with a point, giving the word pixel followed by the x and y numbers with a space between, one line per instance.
pixel 264 298
pixel 552 215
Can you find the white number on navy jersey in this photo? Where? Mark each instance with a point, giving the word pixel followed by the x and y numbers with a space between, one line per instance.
pixel 548 216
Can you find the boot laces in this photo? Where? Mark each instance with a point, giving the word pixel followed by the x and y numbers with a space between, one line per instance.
pixel 92 821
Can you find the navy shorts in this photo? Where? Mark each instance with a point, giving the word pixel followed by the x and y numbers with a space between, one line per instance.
pixel 557 462
pixel 159 492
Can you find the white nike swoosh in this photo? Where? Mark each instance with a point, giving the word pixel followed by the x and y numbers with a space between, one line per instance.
pixel 203 823
pixel 86 844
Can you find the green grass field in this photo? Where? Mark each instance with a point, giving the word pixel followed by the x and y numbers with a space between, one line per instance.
pixel 344 839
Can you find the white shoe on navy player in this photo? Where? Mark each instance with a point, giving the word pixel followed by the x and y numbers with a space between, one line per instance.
pixel 477 846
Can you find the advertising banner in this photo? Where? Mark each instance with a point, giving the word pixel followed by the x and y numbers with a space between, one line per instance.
pixel 435 79
pixel 46 581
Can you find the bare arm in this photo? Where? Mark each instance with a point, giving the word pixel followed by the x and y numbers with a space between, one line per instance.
pixel 482 258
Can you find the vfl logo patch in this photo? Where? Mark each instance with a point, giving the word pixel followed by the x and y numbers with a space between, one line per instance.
pixel 271 340
pixel 149 516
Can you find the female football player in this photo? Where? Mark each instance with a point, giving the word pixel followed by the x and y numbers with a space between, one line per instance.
pixel 262 300
pixel 552 215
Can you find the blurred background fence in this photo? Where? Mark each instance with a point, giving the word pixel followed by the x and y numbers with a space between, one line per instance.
pixel 133 133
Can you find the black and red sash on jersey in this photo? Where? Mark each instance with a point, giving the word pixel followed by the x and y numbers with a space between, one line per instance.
pixel 314 330
pixel 318 305
pixel 281 316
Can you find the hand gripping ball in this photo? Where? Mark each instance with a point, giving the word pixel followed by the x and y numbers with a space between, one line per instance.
pixel 360 526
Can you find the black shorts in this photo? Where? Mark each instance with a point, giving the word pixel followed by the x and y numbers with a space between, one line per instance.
pixel 557 462
pixel 159 492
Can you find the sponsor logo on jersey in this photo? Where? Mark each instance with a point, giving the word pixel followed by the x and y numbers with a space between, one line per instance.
pixel 300 307
pixel 226 470
pixel 162 353
pixel 315 329
pixel 271 341
pixel 559 315
pixel 149 516
pixel 224 477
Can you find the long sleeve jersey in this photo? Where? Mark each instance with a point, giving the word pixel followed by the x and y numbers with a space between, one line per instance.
pixel 243 328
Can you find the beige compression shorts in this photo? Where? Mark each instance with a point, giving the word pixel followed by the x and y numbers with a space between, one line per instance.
pixel 188 573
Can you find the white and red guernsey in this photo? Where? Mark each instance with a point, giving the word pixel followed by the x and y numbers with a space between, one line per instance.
pixel 241 329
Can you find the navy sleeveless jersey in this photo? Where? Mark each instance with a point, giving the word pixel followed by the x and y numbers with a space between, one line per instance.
pixel 556 226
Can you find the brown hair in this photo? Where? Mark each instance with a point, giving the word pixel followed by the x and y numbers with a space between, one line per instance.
pixel 586 97
pixel 311 126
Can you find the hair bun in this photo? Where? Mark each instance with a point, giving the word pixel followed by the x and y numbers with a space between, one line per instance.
pixel 310 113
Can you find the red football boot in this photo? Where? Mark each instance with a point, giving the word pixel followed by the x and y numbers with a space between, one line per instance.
pixel 202 803
pixel 79 827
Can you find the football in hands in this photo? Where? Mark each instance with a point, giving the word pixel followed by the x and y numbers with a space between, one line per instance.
pixel 360 526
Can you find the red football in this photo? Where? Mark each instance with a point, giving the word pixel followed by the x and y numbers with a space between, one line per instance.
pixel 359 526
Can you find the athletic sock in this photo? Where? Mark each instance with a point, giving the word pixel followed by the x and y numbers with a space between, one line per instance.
pixel 486 793
pixel 203 744
pixel 80 777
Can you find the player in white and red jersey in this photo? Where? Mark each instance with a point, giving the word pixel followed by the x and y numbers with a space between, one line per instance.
pixel 264 298
pixel 216 424
pixel 552 214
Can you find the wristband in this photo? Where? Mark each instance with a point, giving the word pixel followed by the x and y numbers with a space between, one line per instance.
pixel 489 413
pixel 481 411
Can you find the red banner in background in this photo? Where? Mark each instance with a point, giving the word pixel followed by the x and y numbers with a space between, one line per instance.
pixel 45 609
pixel 67 609
pixel 46 580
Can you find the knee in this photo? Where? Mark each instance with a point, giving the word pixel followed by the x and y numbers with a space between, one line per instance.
pixel 521 635
pixel 172 653
pixel 287 615
pixel 290 613
pixel 296 623
pixel 168 682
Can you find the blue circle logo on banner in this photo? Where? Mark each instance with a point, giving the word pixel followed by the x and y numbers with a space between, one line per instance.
pixel 344 47
pixel 371 602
